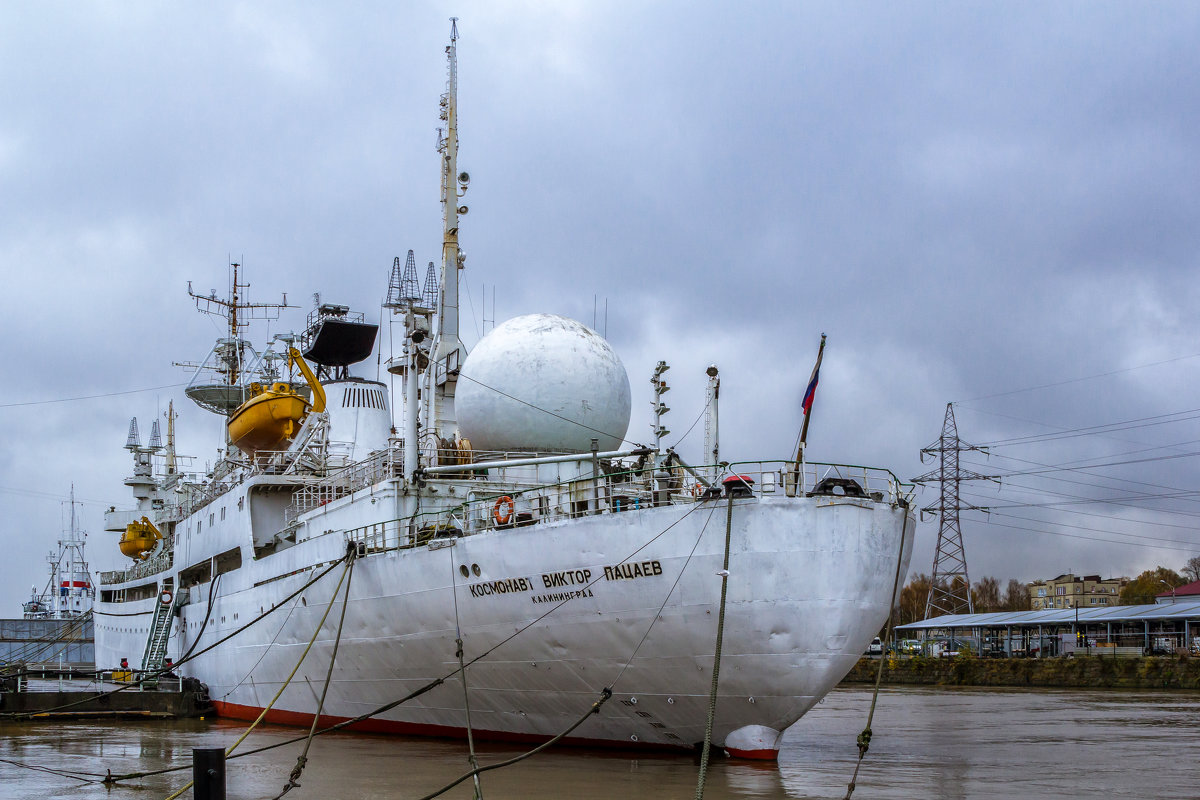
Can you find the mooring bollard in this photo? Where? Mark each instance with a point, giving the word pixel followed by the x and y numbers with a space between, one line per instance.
pixel 208 773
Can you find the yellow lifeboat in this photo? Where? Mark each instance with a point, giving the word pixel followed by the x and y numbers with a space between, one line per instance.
pixel 139 539
pixel 269 419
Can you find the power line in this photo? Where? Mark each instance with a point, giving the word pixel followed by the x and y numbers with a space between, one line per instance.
pixel 1081 471
pixel 52 496
pixel 1138 537
pixel 1096 430
pixel 1192 527
pixel 1079 380
pixel 1126 462
pixel 1102 501
pixel 90 396
pixel 1091 538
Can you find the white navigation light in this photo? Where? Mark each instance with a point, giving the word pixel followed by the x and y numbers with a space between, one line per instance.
pixel 543 383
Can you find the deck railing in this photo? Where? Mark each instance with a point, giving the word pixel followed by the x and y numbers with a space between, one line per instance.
pixel 519 505
pixel 160 562
pixel 374 469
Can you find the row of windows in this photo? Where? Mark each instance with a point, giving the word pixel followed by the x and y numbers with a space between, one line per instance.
pixel 212 515
pixel 1062 590
pixel 1094 601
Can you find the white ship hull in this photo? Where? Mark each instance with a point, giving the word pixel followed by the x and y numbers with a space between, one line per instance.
pixel 501 519
pixel 808 587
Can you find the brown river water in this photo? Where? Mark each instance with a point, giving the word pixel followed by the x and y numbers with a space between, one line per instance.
pixel 928 743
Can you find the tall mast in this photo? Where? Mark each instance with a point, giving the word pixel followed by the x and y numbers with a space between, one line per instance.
pixel 231 354
pixel 449 353
pixel 170 462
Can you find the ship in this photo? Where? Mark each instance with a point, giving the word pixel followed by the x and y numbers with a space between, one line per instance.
pixel 55 627
pixel 504 561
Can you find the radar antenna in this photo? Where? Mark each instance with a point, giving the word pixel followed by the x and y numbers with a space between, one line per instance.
pixel 232 355
pixel 237 312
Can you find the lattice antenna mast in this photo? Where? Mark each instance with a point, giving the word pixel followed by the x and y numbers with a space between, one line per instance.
pixel 403 286
pixel 238 313
pixel 950 586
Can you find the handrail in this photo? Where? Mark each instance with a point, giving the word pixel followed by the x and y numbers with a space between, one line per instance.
pixel 612 492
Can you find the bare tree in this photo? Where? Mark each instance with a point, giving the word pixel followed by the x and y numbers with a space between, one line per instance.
pixel 1191 570
pixel 1016 596
pixel 985 595
pixel 912 599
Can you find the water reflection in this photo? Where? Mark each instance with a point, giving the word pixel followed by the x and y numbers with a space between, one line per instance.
pixel 945 743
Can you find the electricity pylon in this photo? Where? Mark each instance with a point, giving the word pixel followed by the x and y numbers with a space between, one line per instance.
pixel 949 586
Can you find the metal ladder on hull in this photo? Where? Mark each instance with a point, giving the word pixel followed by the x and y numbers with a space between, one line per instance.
pixel 160 631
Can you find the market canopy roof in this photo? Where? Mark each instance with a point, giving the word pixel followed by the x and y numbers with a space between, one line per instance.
pixel 1179 610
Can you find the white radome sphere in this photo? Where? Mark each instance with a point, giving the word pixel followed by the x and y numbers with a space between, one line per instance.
pixel 549 364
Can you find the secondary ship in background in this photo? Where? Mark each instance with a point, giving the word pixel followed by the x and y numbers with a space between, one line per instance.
pixel 508 525
pixel 55 628
pixel 69 592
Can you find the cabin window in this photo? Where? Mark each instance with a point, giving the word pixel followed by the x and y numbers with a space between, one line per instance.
pixel 222 512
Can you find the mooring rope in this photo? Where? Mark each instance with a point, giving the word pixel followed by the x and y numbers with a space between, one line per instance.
pixel 302 759
pixel 37 650
pixel 349 564
pixel 433 684
pixel 595 709
pixel 159 673
pixel 607 692
pixel 462 672
pixel 712 694
pixel 84 777
pixel 864 739
pixel 670 591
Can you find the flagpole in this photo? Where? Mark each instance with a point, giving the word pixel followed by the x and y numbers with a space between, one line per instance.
pixel 812 387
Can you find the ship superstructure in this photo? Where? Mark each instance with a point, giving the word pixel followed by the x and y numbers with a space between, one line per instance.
pixel 69 593
pixel 512 554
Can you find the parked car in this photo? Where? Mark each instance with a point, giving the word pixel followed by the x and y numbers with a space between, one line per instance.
pixel 875 648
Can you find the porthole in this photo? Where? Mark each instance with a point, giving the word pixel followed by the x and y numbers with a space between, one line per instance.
pixel 466 573
pixel 475 569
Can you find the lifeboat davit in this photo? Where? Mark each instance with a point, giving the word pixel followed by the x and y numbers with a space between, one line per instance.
pixel 139 539
pixel 269 419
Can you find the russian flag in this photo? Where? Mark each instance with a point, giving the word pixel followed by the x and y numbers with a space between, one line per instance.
pixel 811 391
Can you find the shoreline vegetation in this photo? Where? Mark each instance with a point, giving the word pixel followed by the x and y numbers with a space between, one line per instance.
pixel 1078 672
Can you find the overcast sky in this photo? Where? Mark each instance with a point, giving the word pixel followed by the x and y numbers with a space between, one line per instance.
pixel 991 204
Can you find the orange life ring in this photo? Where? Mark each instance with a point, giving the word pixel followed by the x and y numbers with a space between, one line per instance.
pixel 505 516
pixel 165 597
